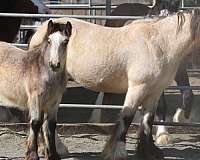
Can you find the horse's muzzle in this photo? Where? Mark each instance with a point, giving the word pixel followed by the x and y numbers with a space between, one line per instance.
pixel 54 67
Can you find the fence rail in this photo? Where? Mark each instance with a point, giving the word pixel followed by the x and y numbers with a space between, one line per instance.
pixel 25 15
pixel 174 124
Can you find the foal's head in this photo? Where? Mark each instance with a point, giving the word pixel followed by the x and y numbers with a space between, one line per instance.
pixel 57 39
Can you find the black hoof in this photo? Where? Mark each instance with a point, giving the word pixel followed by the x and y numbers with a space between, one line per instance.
pixel 150 153
pixel 54 157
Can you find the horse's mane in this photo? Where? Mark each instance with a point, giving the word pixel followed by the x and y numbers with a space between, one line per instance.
pixel 195 23
pixel 35 52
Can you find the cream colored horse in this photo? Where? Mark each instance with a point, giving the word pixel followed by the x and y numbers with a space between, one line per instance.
pixel 140 59
pixel 35 80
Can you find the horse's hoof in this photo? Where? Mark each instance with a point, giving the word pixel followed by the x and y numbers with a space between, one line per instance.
pixel 62 150
pixel 158 153
pixel 163 139
pixel 150 154
pixel 179 116
pixel 32 156
pixel 55 156
pixel 115 152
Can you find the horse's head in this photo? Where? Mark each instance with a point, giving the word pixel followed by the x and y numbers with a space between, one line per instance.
pixel 171 6
pixel 41 8
pixel 57 40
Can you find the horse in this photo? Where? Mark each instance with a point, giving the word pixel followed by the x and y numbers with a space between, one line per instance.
pixel 35 80
pixel 181 78
pixel 138 59
pixel 9 26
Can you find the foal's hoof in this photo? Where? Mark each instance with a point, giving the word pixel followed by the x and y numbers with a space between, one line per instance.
pixel 115 152
pixel 32 156
pixel 163 139
pixel 54 157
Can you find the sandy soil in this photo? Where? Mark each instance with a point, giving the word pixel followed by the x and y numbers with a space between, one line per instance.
pixel 89 146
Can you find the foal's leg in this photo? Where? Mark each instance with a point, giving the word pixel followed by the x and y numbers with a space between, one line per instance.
pixel 115 147
pixel 35 126
pixel 182 79
pixel 162 135
pixel 49 127
pixel 146 147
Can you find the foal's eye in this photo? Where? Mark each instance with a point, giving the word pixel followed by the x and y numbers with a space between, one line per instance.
pixel 49 40
pixel 65 41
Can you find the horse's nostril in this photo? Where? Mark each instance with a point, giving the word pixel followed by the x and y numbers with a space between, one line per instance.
pixel 58 65
pixel 50 64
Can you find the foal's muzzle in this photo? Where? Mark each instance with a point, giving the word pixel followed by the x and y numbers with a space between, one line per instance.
pixel 54 67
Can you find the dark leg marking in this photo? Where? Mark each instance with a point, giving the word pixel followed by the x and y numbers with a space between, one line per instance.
pixel 51 146
pixel 182 79
pixel 31 153
pixel 146 148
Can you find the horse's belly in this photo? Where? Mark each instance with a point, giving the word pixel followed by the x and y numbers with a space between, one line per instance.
pixel 109 84
pixel 13 96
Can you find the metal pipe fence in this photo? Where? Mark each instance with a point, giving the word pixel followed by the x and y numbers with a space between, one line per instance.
pixel 78 6
pixel 61 6
pixel 25 15
pixel 155 123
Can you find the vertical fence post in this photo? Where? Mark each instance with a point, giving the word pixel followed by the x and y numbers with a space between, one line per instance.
pixel 90 11
pixel 108 7
pixel 182 3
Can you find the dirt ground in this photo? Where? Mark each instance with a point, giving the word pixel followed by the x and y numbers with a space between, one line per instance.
pixel 89 146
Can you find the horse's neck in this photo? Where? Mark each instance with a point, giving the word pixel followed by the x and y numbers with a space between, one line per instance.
pixel 174 40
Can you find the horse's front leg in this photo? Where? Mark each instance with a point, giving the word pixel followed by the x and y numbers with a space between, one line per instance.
pixel 162 135
pixel 49 128
pixel 115 148
pixel 36 122
pixel 146 148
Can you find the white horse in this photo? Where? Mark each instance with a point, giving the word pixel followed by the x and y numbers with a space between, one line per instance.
pixel 140 59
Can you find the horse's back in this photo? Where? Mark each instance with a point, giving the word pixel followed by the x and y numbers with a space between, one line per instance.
pixel 10 54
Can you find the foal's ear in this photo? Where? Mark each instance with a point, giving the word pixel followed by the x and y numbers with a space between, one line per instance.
pixel 50 27
pixel 68 29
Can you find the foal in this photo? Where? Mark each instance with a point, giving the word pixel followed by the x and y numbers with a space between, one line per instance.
pixel 35 79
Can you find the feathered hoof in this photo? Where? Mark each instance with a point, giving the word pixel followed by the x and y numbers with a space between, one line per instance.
pixel 62 150
pixel 115 152
pixel 179 116
pixel 163 139
pixel 32 156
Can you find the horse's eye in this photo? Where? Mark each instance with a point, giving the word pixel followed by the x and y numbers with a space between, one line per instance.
pixel 49 40
pixel 65 41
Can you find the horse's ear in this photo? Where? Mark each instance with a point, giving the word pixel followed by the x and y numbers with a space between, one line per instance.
pixel 50 27
pixel 68 29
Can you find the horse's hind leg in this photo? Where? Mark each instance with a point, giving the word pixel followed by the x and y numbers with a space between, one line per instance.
pixel 146 148
pixel 115 147
pixel 162 135
pixel 35 126
pixel 182 79
pixel 49 127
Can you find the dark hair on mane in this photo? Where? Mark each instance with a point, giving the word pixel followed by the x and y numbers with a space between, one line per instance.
pixel 195 23
pixel 181 21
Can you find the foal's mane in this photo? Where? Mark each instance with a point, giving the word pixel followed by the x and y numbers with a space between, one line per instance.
pixel 34 53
